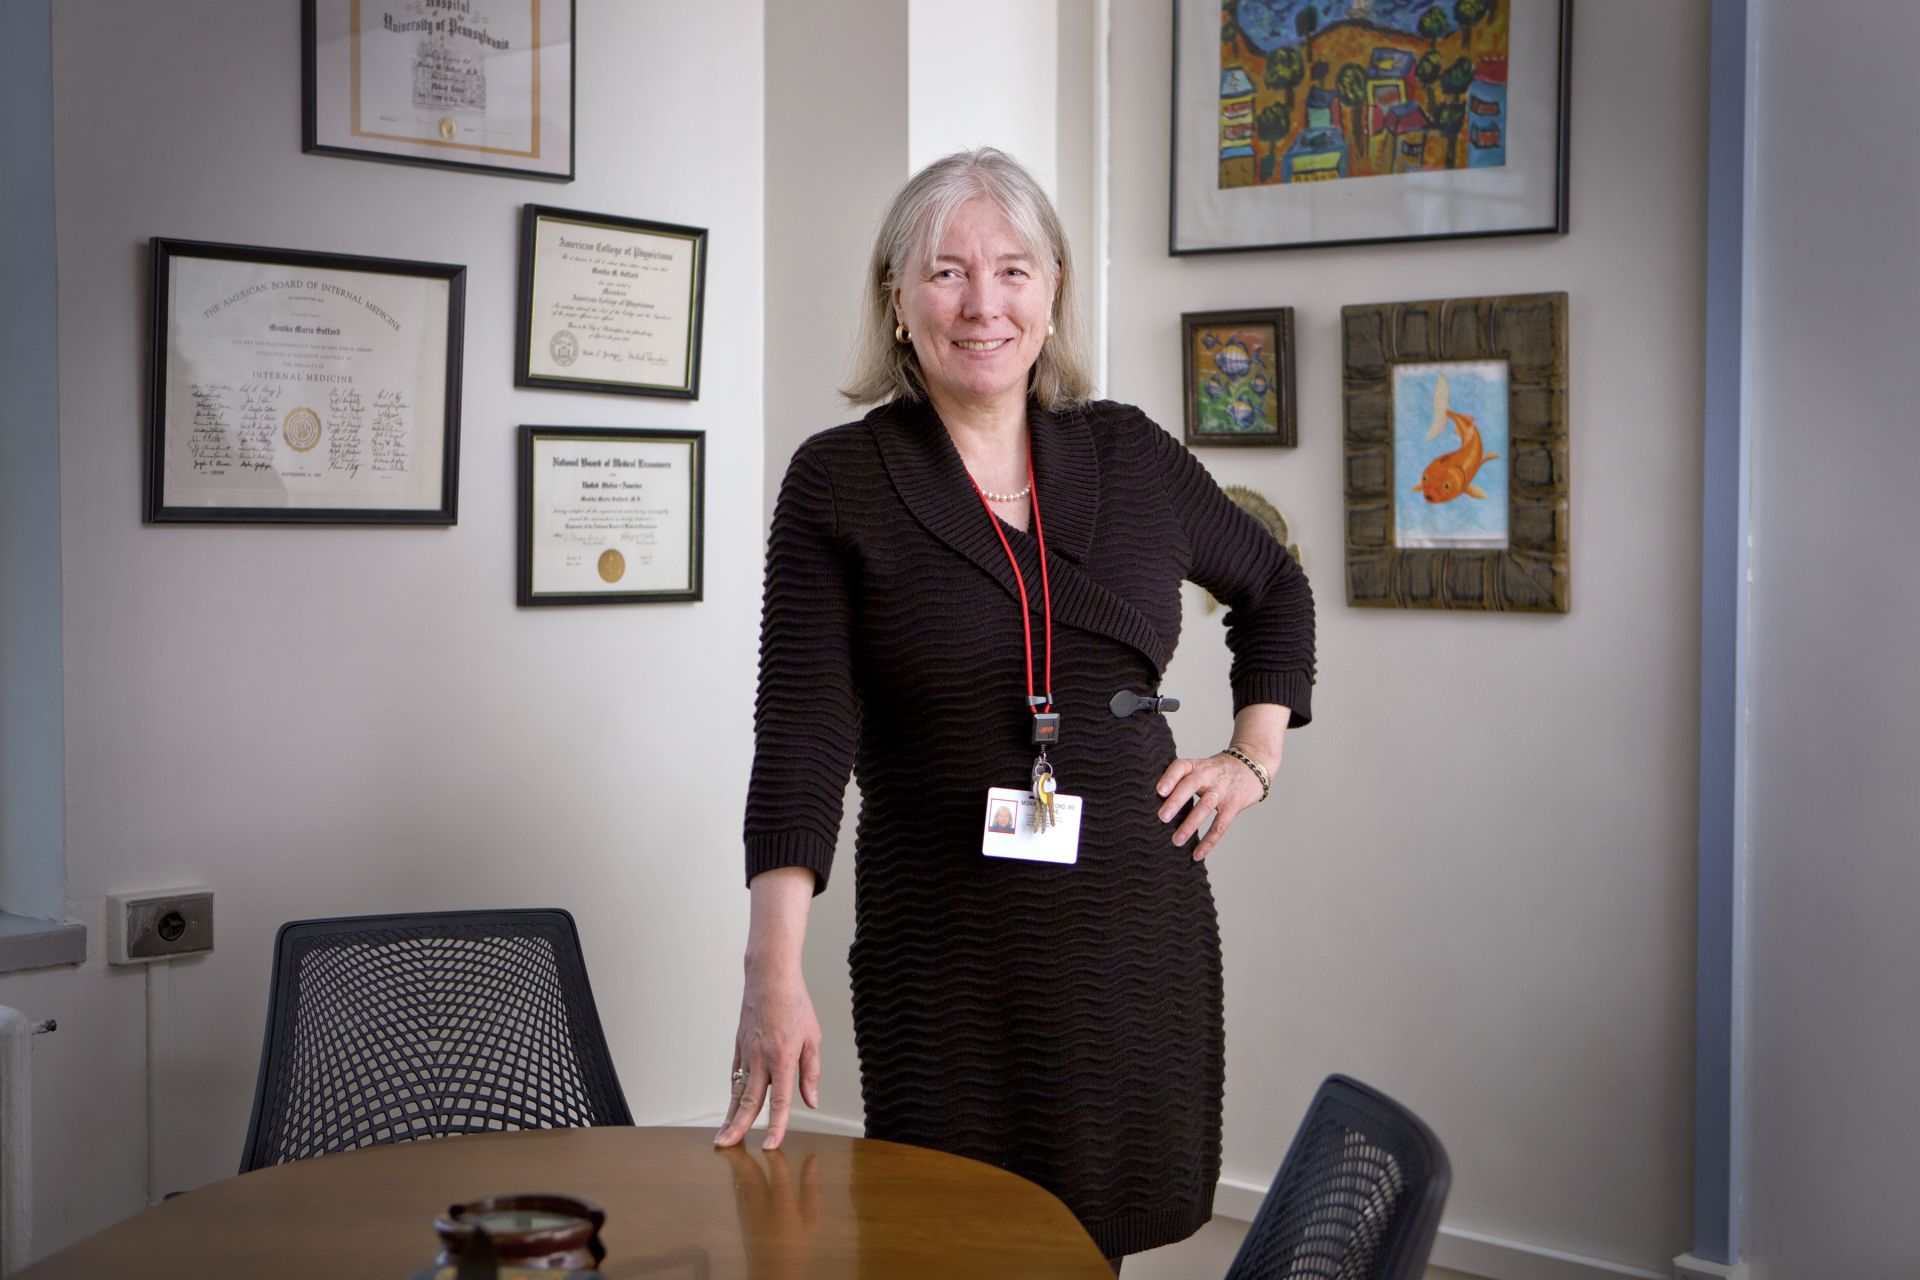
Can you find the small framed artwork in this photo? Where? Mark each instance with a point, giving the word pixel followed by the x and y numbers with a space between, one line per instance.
pixel 1456 453
pixel 610 304
pixel 611 515
pixel 286 386
pixel 1238 385
pixel 1356 121
pixel 482 85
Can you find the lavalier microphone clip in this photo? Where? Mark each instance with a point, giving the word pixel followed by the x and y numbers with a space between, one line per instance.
pixel 1125 704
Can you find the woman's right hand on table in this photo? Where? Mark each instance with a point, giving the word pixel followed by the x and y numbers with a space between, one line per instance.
pixel 777 1048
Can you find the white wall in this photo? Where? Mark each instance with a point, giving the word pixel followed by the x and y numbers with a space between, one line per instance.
pixel 335 721
pixel 982 73
pixel 1835 815
pixel 836 151
pixel 1474 886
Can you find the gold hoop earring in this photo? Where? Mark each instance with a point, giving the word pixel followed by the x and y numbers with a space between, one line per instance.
pixel 900 333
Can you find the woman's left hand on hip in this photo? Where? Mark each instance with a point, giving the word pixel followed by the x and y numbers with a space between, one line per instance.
pixel 1219 786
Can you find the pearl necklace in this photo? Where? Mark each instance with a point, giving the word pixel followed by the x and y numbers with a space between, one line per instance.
pixel 991 496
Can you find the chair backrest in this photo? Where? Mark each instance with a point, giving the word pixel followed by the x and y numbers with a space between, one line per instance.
pixel 391 1028
pixel 1357 1198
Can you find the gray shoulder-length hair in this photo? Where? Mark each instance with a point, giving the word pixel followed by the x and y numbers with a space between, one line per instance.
pixel 886 369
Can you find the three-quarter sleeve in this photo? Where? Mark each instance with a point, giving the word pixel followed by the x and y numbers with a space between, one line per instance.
pixel 1270 605
pixel 806 713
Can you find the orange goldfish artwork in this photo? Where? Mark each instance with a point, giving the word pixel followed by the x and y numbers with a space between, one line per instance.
pixel 1449 423
pixel 1451 474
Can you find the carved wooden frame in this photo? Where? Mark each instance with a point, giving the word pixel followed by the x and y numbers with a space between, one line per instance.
pixel 1529 332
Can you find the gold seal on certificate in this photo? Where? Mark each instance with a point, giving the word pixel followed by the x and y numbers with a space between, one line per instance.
pixel 448 127
pixel 610 515
pixel 301 429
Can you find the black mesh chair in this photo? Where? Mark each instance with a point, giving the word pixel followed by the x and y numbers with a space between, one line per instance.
pixel 1358 1197
pixel 390 1028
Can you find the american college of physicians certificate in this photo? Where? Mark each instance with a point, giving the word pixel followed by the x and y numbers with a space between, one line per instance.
pixel 610 515
pixel 291 386
pixel 610 304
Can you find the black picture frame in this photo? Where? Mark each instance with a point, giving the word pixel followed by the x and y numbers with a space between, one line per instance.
pixel 1210 132
pixel 1264 383
pixel 164 254
pixel 529 593
pixel 311 144
pixel 686 386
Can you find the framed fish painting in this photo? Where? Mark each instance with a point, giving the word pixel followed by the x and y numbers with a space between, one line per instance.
pixel 1238 377
pixel 1456 453
pixel 1316 122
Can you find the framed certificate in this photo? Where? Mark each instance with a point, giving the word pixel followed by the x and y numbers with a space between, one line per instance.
pixel 485 85
pixel 610 304
pixel 611 515
pixel 294 387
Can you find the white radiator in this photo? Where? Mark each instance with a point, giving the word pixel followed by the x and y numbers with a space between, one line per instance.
pixel 16 1139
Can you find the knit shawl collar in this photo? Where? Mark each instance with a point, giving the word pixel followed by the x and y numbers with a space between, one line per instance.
pixel 932 481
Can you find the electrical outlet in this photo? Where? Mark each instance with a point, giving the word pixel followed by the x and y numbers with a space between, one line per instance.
pixel 142 927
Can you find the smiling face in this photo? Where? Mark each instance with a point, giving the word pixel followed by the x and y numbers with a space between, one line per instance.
pixel 978 312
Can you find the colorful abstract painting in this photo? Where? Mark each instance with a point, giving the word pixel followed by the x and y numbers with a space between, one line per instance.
pixel 1316 92
pixel 1238 390
pixel 1450 451
pixel 1239 375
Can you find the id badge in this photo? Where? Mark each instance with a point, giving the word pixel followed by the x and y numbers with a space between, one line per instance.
pixel 1007 831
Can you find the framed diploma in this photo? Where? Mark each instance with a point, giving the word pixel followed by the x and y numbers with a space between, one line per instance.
pixel 611 515
pixel 610 304
pixel 485 85
pixel 295 387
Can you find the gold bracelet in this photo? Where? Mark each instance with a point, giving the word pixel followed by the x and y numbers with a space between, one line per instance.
pixel 1259 770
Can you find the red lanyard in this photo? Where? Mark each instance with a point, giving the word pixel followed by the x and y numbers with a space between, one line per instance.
pixel 1045 697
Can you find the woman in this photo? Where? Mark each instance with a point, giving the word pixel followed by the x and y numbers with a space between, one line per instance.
pixel 1062 1020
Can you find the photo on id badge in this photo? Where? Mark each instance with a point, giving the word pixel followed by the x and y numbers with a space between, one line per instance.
pixel 1008 828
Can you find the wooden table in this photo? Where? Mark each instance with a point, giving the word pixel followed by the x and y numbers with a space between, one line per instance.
pixel 676 1209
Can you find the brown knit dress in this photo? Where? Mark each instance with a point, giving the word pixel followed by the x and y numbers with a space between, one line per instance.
pixel 1063 1022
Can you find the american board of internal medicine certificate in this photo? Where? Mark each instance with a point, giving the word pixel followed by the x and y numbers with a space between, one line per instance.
pixel 294 386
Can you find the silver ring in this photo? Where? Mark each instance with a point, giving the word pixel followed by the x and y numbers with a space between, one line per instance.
pixel 739 1076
